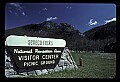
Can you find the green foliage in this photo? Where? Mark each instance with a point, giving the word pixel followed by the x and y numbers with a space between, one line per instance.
pixel 97 65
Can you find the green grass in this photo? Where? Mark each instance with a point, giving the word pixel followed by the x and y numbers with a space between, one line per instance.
pixel 95 65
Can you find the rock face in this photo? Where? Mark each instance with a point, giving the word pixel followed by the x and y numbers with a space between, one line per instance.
pixel 66 62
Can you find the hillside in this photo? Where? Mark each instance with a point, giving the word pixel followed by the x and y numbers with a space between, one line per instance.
pixel 96 39
pixel 104 37
pixel 102 32
pixel 49 29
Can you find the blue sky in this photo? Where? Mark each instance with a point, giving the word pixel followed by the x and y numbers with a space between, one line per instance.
pixel 82 16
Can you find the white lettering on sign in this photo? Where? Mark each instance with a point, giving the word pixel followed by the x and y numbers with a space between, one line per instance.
pixel 56 51
pixel 30 63
pixel 48 62
pixel 50 56
pixel 29 57
pixel 43 51
pixel 22 51
pixel 42 62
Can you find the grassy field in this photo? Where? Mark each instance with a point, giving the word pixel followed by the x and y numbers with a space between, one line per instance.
pixel 95 65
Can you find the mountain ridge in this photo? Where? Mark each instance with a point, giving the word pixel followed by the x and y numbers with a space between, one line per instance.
pixel 94 33
pixel 93 39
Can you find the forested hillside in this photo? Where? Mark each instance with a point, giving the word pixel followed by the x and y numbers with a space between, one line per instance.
pixel 96 39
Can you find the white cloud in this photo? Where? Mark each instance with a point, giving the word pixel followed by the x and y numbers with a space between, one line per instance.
pixel 18 9
pixel 16 14
pixel 92 23
pixel 107 21
pixel 45 9
pixel 68 7
pixel 10 11
pixel 51 18
pixel 15 4
pixel 23 13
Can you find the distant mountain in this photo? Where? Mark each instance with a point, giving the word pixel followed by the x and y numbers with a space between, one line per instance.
pixel 97 38
pixel 40 30
pixel 48 29
pixel 104 37
pixel 102 32
pixel 44 29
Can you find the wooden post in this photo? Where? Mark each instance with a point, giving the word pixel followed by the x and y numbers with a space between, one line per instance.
pixel 81 61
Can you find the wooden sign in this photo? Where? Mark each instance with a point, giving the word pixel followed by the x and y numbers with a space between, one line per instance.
pixel 35 52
